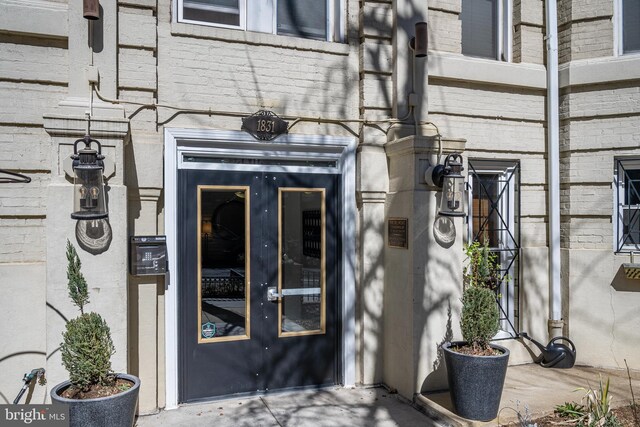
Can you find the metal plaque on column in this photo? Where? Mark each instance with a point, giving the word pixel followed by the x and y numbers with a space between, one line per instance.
pixel 398 233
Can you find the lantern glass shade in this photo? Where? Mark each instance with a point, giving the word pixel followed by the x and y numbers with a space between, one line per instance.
pixel 452 202
pixel 88 193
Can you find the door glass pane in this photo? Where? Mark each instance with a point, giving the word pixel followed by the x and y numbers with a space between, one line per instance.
pixel 302 261
pixel 223 233
pixel 486 221
pixel 303 18
pixel 226 12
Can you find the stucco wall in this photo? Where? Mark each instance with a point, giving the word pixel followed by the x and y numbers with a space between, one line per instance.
pixel 599 109
pixel 603 309
pixel 198 67
pixel 33 76
pixel 505 118
pixel 498 107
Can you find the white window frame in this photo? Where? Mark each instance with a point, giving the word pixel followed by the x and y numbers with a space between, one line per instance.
pixel 334 25
pixel 617 37
pixel 504 34
pixel 507 210
pixel 618 31
pixel 618 206
pixel 506 49
pixel 242 5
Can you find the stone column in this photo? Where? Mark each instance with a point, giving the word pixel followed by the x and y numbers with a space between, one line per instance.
pixel 146 293
pixel 101 244
pixel 423 282
pixel 372 184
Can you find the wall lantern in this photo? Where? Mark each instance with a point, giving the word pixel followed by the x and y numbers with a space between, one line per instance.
pixel 88 187
pixel 449 178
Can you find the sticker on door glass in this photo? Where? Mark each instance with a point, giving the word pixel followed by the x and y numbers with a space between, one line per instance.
pixel 208 330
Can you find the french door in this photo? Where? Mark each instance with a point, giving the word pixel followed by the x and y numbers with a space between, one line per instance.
pixel 259 256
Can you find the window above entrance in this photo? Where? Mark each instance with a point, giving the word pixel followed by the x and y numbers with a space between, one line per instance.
pixel 486 28
pixel 310 19
pixel 630 26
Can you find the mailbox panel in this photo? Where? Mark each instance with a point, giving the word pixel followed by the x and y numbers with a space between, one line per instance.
pixel 147 255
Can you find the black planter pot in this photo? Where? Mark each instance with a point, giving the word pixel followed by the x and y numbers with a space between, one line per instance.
pixel 118 410
pixel 475 382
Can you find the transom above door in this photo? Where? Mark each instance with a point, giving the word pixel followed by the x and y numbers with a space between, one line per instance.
pixel 260 281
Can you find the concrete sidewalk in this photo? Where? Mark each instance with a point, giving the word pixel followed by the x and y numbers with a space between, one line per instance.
pixel 335 407
pixel 538 389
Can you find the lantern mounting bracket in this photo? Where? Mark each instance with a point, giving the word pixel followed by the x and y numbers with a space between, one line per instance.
pixel 87 146
pixel 434 175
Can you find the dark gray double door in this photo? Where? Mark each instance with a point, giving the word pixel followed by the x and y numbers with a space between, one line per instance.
pixel 259 257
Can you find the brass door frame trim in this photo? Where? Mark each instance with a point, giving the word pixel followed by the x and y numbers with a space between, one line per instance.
pixel 247 262
pixel 323 293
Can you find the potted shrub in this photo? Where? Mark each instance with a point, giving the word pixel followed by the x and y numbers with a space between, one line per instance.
pixel 95 395
pixel 476 369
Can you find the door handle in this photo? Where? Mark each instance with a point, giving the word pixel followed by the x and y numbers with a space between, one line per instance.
pixel 273 294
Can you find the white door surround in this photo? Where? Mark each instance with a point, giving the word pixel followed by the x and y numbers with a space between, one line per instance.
pixel 234 150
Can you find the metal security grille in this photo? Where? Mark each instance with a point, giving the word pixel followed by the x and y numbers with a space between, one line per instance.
pixel 628 203
pixel 311 278
pixel 222 283
pixel 495 216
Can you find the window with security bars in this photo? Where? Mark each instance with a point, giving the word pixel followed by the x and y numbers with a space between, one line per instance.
pixel 627 185
pixel 494 217
pixel 310 19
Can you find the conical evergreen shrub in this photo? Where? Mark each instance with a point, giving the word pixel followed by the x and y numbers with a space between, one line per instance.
pixel 86 343
pixel 480 315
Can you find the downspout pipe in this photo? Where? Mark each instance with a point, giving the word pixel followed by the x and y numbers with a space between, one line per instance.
pixel 553 165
